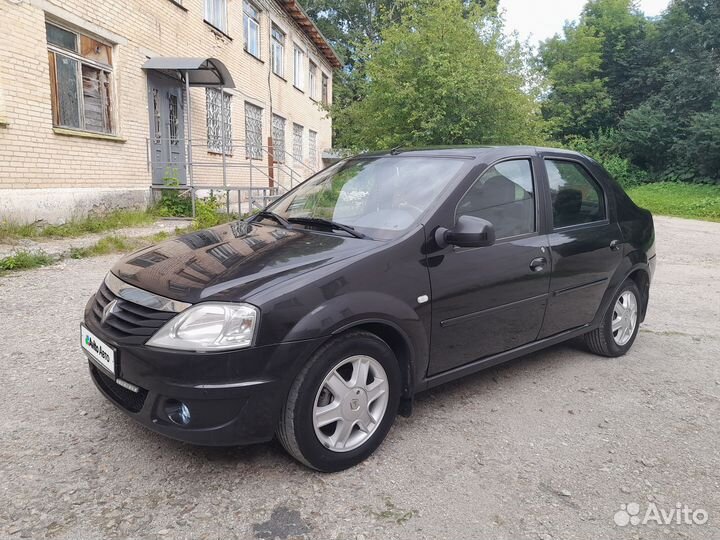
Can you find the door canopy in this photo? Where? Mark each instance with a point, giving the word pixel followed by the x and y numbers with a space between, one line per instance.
pixel 207 72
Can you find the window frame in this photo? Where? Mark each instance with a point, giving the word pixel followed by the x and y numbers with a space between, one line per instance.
pixel 313 156
pixel 299 70
pixel 312 80
pixel 281 154
pixel 274 41
pixel 228 149
pixel 324 88
pixel 224 28
pixel 247 20
pixel 551 224
pixel 248 149
pixel 76 56
pixel 297 160
pixel 536 180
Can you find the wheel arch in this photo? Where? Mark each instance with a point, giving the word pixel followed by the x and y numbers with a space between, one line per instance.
pixel 401 345
pixel 641 277
pixel 639 272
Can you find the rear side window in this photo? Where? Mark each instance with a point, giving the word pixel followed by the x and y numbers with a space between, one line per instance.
pixel 504 196
pixel 576 196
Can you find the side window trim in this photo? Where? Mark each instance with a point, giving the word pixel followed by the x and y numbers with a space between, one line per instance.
pixel 606 218
pixel 536 197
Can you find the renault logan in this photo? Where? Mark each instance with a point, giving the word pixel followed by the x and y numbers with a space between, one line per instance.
pixel 319 318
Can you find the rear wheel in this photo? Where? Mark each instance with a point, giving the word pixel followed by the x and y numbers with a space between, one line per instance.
pixel 342 404
pixel 619 327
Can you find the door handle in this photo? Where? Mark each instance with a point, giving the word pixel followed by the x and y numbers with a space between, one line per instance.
pixel 615 245
pixel 538 264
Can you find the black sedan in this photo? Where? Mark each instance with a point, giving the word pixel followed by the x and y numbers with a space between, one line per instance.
pixel 318 319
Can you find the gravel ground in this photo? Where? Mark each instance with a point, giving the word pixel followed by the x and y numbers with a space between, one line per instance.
pixel 548 446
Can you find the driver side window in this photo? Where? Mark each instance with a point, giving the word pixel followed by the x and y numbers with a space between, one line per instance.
pixel 504 196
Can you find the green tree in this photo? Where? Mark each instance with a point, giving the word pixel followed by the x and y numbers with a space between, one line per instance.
pixel 673 132
pixel 578 102
pixel 350 26
pixel 440 74
pixel 628 65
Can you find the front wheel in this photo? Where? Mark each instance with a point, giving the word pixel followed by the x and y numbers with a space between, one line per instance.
pixel 342 404
pixel 620 325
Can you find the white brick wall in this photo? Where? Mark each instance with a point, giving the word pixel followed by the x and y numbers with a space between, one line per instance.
pixel 34 156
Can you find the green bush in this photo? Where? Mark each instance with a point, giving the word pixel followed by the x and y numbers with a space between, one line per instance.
pixel 177 203
pixel 206 212
pixel 174 202
pixel 605 147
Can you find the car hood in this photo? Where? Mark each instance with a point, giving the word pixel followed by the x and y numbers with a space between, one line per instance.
pixel 231 261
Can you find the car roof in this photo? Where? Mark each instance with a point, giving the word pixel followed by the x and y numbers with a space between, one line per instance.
pixel 470 151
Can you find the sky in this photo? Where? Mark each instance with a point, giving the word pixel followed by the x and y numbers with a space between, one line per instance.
pixel 538 20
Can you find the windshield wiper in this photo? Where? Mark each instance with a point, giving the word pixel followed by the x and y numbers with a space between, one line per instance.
pixel 272 215
pixel 326 223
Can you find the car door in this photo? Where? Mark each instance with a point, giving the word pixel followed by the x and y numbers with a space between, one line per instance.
pixel 491 299
pixel 585 243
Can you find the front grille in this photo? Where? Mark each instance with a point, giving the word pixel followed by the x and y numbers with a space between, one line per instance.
pixel 129 323
pixel 132 401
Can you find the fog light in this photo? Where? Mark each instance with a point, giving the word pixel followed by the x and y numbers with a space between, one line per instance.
pixel 177 412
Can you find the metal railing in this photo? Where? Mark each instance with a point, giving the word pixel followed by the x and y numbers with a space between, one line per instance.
pixel 251 172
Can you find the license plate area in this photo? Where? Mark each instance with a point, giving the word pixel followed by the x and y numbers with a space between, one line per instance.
pixel 102 354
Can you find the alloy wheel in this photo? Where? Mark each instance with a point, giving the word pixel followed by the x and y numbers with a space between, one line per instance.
pixel 350 403
pixel 624 318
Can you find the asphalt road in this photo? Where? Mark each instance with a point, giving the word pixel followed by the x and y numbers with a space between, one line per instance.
pixel 548 446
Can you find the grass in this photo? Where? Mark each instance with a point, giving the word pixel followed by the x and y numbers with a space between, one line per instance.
pixel 25 260
pixel 691 201
pixel 78 227
pixel 116 244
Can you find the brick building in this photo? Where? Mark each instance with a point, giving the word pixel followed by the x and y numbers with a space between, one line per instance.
pixel 101 101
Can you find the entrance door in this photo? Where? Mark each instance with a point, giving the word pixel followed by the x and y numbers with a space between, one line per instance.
pixel 167 130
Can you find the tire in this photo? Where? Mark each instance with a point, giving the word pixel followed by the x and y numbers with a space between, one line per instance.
pixel 365 415
pixel 613 343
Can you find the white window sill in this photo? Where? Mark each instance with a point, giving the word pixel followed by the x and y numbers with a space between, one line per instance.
pixel 87 134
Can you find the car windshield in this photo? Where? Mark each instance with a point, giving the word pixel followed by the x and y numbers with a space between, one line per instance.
pixel 379 197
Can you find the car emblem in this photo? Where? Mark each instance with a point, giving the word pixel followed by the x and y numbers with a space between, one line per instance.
pixel 107 311
pixel 354 404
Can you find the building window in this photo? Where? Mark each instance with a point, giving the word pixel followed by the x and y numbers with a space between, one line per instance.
pixel 278 138
pixel 312 148
pixel 216 14
pixel 324 97
pixel 251 23
pixel 299 64
pixel 216 112
pixel 297 143
pixel 80 80
pixel 253 131
pixel 312 80
pixel 277 51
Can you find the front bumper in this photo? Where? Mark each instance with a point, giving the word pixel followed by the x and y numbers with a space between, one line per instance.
pixel 234 397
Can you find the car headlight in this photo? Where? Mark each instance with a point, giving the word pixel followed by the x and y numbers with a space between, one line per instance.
pixel 209 326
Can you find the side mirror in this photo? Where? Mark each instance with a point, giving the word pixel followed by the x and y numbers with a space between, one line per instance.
pixel 469 231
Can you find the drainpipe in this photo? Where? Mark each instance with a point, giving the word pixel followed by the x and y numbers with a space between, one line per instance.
pixel 223 148
pixel 188 139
